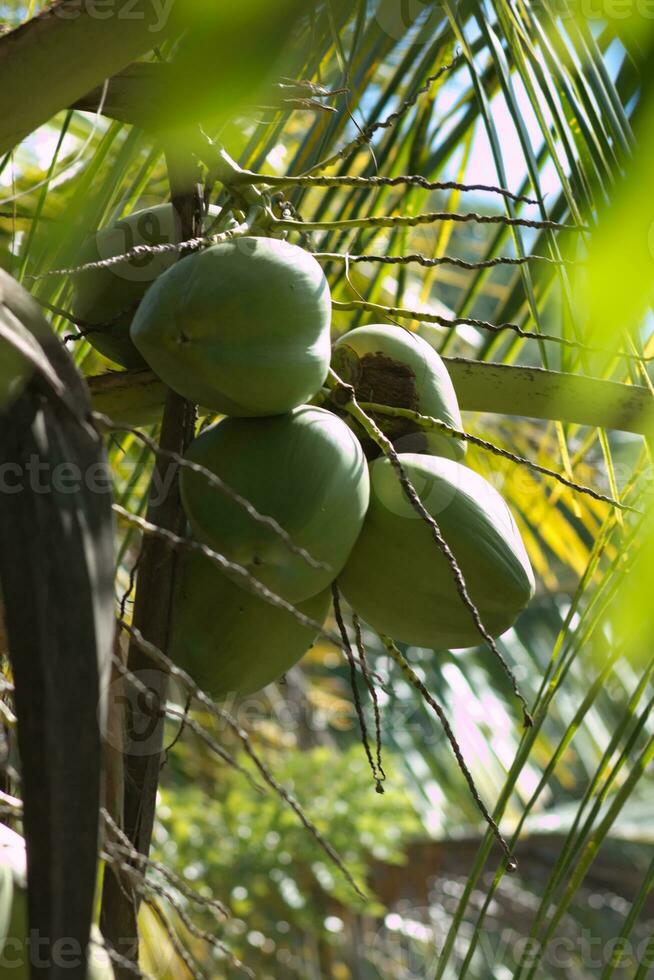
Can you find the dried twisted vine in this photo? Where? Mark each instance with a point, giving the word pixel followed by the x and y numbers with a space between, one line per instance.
pixel 428 422
pixel 203 698
pixel 418 259
pixel 369 131
pixel 125 846
pixel 405 180
pixel 120 960
pixel 415 682
pixel 141 251
pixel 427 218
pixel 377 772
pixel 214 481
pixel 356 622
pixel 347 400
pixel 232 569
pixel 402 313
pixel 174 713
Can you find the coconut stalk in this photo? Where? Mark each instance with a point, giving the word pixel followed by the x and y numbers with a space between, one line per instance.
pixel 152 617
pixel 481 386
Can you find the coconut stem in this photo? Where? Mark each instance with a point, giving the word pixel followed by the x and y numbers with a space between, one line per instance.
pixel 429 422
pixel 415 682
pixel 426 218
pixel 351 180
pixel 157 655
pixel 428 262
pixel 151 614
pixel 427 316
pixel 356 622
pixel 377 771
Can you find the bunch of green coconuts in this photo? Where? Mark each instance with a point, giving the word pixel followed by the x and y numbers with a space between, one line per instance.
pixel 243 329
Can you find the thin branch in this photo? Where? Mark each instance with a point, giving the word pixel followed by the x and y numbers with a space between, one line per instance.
pixel 415 682
pixel 363 661
pixel 201 934
pixel 401 313
pixel 121 961
pixel 413 220
pixel 246 227
pixel 124 599
pixel 171 712
pixel 214 481
pixel 150 650
pixel 428 422
pixel 139 251
pixel 185 722
pixel 212 904
pixel 368 132
pixel 363 728
pixel 233 570
pixel 408 180
pixel 428 263
pixel 177 944
pixel 85 326
pixel 212 744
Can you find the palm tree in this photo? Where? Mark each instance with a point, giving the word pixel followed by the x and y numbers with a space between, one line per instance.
pixel 476 173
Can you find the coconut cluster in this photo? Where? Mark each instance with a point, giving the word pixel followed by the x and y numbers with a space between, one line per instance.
pixel 396 577
pixel 243 329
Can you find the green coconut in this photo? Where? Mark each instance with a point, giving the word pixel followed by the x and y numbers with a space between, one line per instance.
pixel 230 641
pixel 242 327
pixel 108 297
pixel 400 582
pixel 305 469
pixel 393 366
